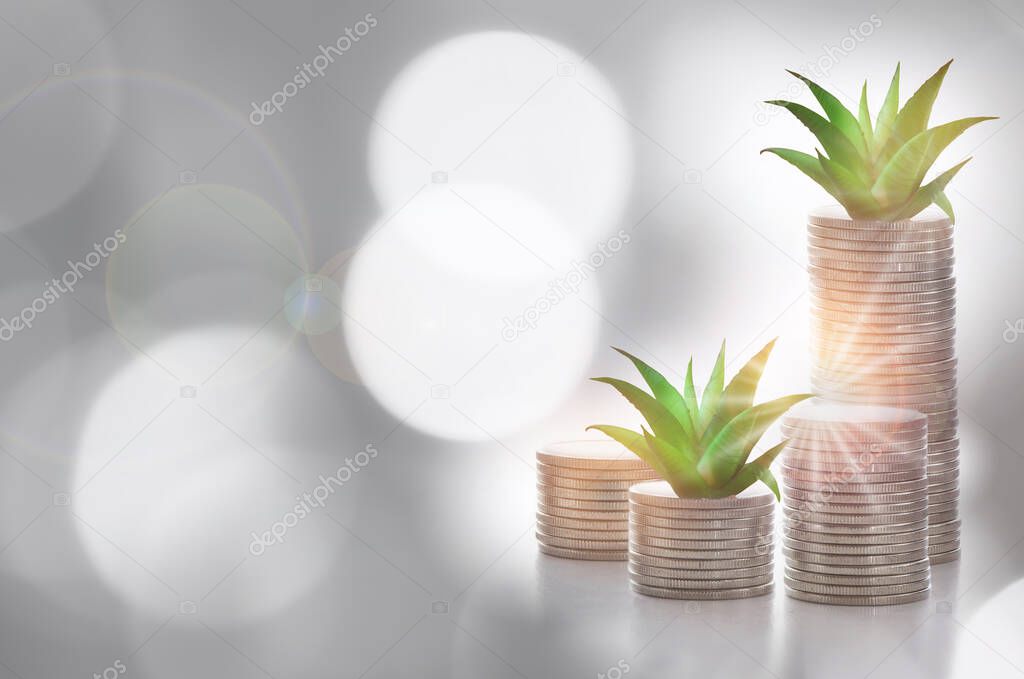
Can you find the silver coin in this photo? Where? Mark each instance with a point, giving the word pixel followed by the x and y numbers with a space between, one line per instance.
pixel 847 264
pixel 848 257
pixel 940 458
pixel 828 374
pixel 648 511
pixel 848 448
pixel 583 533
pixel 855 550
pixel 857 335
pixel 582 524
pixel 944 477
pixel 583 484
pixel 701 535
pixel 703 595
pixel 856 539
pixel 858 466
pixel 939 508
pixel 830 244
pixel 699 555
pixel 582 514
pixel 887 235
pixel 944 548
pixel 582 554
pixel 945 496
pixel 826 276
pixel 797 557
pixel 798 457
pixel 942 467
pixel 895 370
pixel 882 600
pixel 949 446
pixel 845 299
pixel 902 400
pixel 945 557
pixel 840 485
pixel 865 530
pixel 889 330
pixel 817 415
pixel 880 306
pixel 858 498
pixel 919 566
pixel 660 494
pixel 590 545
pixel 596 474
pixel 823 438
pixel 943 487
pixel 864 317
pixel 943 517
pixel 857 591
pixel 824 345
pixel 729 564
pixel 856 580
pixel 936 542
pixel 603 505
pixel 940 528
pixel 577 494
pixel 676 574
pixel 833 508
pixel 703 524
pixel 606 454
pixel 706 584
pixel 885 287
pixel 829 518
pixel 857 478
pixel 835 216
pixel 825 359
pixel 640 539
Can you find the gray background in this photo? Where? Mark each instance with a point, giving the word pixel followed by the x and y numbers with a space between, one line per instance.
pixel 127 503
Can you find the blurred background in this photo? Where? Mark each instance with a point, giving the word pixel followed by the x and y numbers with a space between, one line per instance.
pixel 291 292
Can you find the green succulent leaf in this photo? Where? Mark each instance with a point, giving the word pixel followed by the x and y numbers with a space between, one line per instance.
pixel 913 117
pixel 887 114
pixel 835 143
pixel 807 164
pixel 635 442
pixel 758 470
pixel 838 114
pixel 864 114
pixel 689 393
pixel 853 193
pixel 729 450
pixel 713 390
pixel 932 192
pixel 682 473
pixel 665 394
pixel 659 418
pixel 739 395
pixel 903 174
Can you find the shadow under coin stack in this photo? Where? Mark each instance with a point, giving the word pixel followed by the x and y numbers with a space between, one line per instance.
pixel 855 502
pixel 883 304
pixel 582 507
pixel 700 549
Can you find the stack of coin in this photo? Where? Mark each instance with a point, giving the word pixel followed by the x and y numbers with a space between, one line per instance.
pixel 855 502
pixel 582 498
pixel 883 305
pixel 681 548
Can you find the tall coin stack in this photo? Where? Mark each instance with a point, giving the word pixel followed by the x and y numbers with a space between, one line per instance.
pixel 855 502
pixel 883 305
pixel 683 548
pixel 582 499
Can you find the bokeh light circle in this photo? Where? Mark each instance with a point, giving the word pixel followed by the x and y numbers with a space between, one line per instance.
pixel 312 304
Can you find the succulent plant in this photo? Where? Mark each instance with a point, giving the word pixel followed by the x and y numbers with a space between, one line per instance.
pixel 702 448
pixel 877 172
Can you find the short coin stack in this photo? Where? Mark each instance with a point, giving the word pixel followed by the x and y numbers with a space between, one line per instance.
pixel 700 548
pixel 883 304
pixel 582 506
pixel 855 502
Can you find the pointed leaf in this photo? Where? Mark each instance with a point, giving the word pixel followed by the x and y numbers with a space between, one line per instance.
pixel 838 114
pixel 682 473
pixel 902 176
pixel 807 164
pixel 913 117
pixel 731 447
pixel 932 192
pixel 853 193
pixel 713 390
pixel 757 470
pixel 635 442
pixel 660 420
pixel 664 392
pixel 865 121
pixel 739 395
pixel 835 143
pixel 887 114
pixel 689 393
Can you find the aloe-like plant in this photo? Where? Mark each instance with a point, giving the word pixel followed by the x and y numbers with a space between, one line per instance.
pixel 877 171
pixel 702 448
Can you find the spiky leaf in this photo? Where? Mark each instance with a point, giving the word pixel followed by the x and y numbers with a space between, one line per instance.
pixel 729 450
pixel 658 417
pixel 913 117
pixel 932 192
pixel 739 395
pixel 864 115
pixel 887 114
pixel 682 473
pixel 635 442
pixel 835 143
pixel 689 393
pixel 713 390
pixel 665 393
pixel 942 201
pixel 853 193
pixel 807 164
pixel 838 114
pixel 757 470
pixel 902 176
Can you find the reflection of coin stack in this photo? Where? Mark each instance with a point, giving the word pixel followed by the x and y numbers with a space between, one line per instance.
pixel 682 548
pixel 582 498
pixel 855 501
pixel 883 329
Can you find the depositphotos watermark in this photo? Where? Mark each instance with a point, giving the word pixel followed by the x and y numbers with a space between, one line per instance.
pixel 818 69
pixel 562 287
pixel 311 500
pixel 55 288
pixel 308 71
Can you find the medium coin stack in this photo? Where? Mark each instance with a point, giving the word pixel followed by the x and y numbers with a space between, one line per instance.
pixel 582 498
pixel 883 304
pixel 855 502
pixel 683 548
